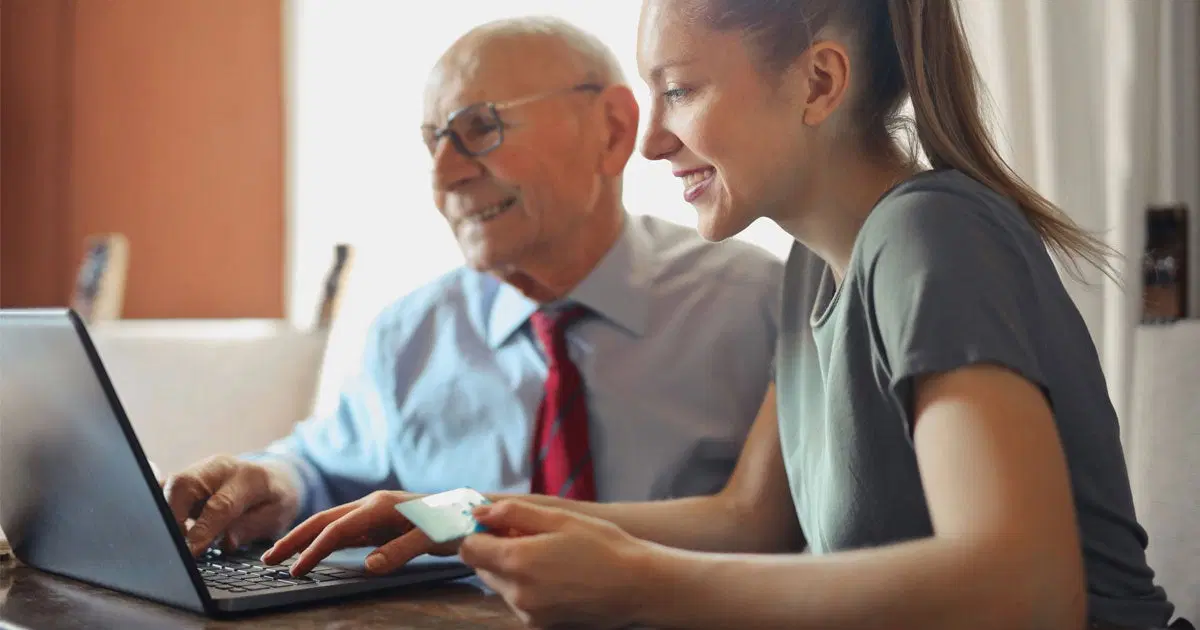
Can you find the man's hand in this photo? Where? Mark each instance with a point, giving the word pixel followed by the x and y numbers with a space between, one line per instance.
pixel 368 522
pixel 245 501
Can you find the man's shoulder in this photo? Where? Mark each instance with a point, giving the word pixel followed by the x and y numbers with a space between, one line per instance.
pixel 680 253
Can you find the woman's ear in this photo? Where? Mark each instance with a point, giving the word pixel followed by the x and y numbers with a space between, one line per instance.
pixel 824 72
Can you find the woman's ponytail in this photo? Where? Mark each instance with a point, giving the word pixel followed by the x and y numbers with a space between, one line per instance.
pixel 931 63
pixel 943 84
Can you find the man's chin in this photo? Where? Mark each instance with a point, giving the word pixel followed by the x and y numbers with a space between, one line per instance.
pixel 513 275
pixel 488 262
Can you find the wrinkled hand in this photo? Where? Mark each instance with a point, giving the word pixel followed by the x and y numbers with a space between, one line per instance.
pixel 368 522
pixel 244 501
pixel 555 567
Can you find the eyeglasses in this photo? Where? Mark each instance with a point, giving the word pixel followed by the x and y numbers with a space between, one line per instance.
pixel 477 129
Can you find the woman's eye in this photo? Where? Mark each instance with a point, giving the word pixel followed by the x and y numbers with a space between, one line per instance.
pixel 674 95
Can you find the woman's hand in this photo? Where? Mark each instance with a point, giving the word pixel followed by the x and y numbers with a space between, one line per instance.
pixel 554 567
pixel 370 521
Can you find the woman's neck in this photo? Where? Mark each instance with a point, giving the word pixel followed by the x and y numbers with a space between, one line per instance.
pixel 829 214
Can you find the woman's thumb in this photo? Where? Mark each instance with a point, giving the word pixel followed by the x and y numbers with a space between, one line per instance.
pixel 520 517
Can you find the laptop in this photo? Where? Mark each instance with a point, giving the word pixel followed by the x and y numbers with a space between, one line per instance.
pixel 78 498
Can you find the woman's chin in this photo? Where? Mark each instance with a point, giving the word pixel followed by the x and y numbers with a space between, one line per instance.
pixel 717 227
pixel 712 236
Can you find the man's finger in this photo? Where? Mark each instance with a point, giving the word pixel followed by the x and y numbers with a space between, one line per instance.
pixel 188 491
pixel 225 505
pixel 183 494
pixel 399 551
pixel 303 534
pixel 255 524
pixel 523 517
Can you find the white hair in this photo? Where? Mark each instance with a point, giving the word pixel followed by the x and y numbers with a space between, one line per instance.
pixel 590 56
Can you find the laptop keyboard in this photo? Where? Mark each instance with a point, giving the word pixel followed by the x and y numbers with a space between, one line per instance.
pixel 245 573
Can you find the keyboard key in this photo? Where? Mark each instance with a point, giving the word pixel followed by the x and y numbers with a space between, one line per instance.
pixel 341 573
pixel 239 573
pixel 317 577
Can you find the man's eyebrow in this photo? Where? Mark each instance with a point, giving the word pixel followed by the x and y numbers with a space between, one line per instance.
pixel 657 72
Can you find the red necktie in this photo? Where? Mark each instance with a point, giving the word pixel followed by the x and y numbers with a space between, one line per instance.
pixel 562 458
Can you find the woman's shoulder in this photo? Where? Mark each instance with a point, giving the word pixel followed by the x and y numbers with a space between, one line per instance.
pixel 945 216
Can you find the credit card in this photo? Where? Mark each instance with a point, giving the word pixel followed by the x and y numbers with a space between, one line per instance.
pixel 445 516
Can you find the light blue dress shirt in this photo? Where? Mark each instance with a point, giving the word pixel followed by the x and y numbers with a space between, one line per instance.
pixel 676 361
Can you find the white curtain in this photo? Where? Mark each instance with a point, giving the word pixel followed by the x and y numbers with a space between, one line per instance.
pixel 1097 100
pixel 1099 105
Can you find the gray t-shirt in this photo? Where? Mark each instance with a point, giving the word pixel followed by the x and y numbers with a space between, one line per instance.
pixel 944 273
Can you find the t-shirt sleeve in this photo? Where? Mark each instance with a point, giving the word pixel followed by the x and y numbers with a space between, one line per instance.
pixel 945 283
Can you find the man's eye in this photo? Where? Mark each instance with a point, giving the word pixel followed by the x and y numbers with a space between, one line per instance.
pixel 479 127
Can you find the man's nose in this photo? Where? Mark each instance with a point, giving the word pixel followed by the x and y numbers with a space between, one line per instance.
pixel 451 168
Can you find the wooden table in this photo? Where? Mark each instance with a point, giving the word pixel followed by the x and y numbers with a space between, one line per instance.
pixel 34 600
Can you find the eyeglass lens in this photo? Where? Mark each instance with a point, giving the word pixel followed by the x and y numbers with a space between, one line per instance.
pixel 474 130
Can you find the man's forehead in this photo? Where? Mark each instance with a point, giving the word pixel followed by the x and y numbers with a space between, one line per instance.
pixel 497 69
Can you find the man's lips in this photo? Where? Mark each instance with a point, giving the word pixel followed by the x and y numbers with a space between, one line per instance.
pixel 487 213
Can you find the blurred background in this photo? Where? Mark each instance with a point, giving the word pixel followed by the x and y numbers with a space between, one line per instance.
pixel 183 171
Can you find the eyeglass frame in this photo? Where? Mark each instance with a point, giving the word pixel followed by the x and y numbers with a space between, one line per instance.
pixel 495 108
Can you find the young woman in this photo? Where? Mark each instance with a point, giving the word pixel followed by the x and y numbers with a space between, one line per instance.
pixel 942 441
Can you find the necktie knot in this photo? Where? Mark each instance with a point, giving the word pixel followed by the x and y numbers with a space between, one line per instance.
pixel 551 328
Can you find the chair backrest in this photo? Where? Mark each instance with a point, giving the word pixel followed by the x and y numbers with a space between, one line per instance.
pixel 197 388
pixel 1162 442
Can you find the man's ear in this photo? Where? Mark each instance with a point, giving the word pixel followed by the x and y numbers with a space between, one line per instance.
pixel 619 115
pixel 824 72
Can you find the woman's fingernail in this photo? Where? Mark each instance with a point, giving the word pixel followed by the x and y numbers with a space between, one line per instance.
pixel 375 561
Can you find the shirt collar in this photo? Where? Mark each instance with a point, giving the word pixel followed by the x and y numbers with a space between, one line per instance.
pixel 616 290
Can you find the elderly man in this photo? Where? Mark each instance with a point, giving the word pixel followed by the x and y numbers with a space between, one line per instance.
pixel 583 351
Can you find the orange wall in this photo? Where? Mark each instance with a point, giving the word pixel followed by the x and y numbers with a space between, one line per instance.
pixel 33 159
pixel 160 120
